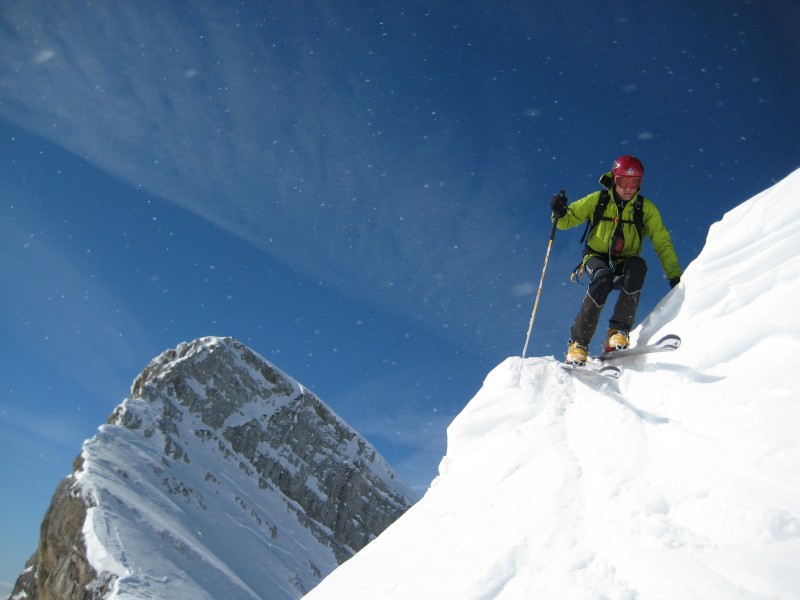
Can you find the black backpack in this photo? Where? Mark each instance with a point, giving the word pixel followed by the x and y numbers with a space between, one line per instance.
pixel 594 220
pixel 602 202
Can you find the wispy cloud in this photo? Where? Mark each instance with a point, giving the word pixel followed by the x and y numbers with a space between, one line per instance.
pixel 284 135
pixel 60 313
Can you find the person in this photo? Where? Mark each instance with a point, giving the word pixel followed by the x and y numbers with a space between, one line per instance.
pixel 612 253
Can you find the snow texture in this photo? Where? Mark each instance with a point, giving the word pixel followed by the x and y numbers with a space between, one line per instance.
pixel 175 511
pixel 680 480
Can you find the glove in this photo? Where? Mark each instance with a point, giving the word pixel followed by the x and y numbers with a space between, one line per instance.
pixel 558 204
pixel 674 281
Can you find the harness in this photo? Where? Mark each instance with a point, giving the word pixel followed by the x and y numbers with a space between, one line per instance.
pixel 599 215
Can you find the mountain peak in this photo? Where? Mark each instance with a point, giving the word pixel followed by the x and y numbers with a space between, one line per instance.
pixel 220 476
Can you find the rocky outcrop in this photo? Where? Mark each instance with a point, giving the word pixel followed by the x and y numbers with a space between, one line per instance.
pixel 219 472
pixel 59 569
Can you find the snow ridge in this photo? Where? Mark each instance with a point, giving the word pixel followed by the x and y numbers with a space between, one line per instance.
pixel 680 480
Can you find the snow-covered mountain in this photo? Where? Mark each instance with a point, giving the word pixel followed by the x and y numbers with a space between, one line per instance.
pixel 219 477
pixel 680 480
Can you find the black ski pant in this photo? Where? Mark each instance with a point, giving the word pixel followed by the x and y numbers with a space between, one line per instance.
pixel 627 277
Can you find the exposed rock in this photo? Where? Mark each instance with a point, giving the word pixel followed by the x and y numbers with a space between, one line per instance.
pixel 59 569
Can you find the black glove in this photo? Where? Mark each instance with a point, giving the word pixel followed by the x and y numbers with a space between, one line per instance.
pixel 674 281
pixel 558 204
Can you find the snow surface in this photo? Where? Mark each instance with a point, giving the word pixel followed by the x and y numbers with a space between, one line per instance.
pixel 199 525
pixel 680 480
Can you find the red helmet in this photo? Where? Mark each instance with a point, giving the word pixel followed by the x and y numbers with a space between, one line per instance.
pixel 627 165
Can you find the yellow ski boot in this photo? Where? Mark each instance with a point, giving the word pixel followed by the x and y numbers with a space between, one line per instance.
pixel 616 340
pixel 577 353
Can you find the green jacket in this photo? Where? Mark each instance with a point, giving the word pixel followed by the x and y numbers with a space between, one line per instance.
pixel 600 238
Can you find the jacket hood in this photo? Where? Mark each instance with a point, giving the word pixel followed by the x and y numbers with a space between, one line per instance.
pixel 607 180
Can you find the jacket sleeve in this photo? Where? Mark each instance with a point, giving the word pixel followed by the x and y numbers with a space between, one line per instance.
pixel 579 211
pixel 662 243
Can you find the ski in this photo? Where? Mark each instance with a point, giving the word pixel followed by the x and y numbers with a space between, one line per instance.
pixel 668 343
pixel 606 371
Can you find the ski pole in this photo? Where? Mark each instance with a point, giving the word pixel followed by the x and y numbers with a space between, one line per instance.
pixel 541 281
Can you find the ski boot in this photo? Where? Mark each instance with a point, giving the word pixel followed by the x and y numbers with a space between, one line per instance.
pixel 577 353
pixel 616 339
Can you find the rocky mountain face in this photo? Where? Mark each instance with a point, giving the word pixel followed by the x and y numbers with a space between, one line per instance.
pixel 219 477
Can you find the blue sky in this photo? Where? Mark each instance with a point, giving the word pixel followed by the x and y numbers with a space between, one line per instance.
pixel 359 192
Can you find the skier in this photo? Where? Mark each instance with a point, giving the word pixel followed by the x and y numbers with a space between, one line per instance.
pixel 620 217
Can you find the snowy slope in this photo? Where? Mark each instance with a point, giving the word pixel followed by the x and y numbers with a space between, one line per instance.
pixel 222 477
pixel 681 480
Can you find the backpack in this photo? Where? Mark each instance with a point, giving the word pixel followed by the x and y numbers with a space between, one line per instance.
pixel 602 202
pixel 594 220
